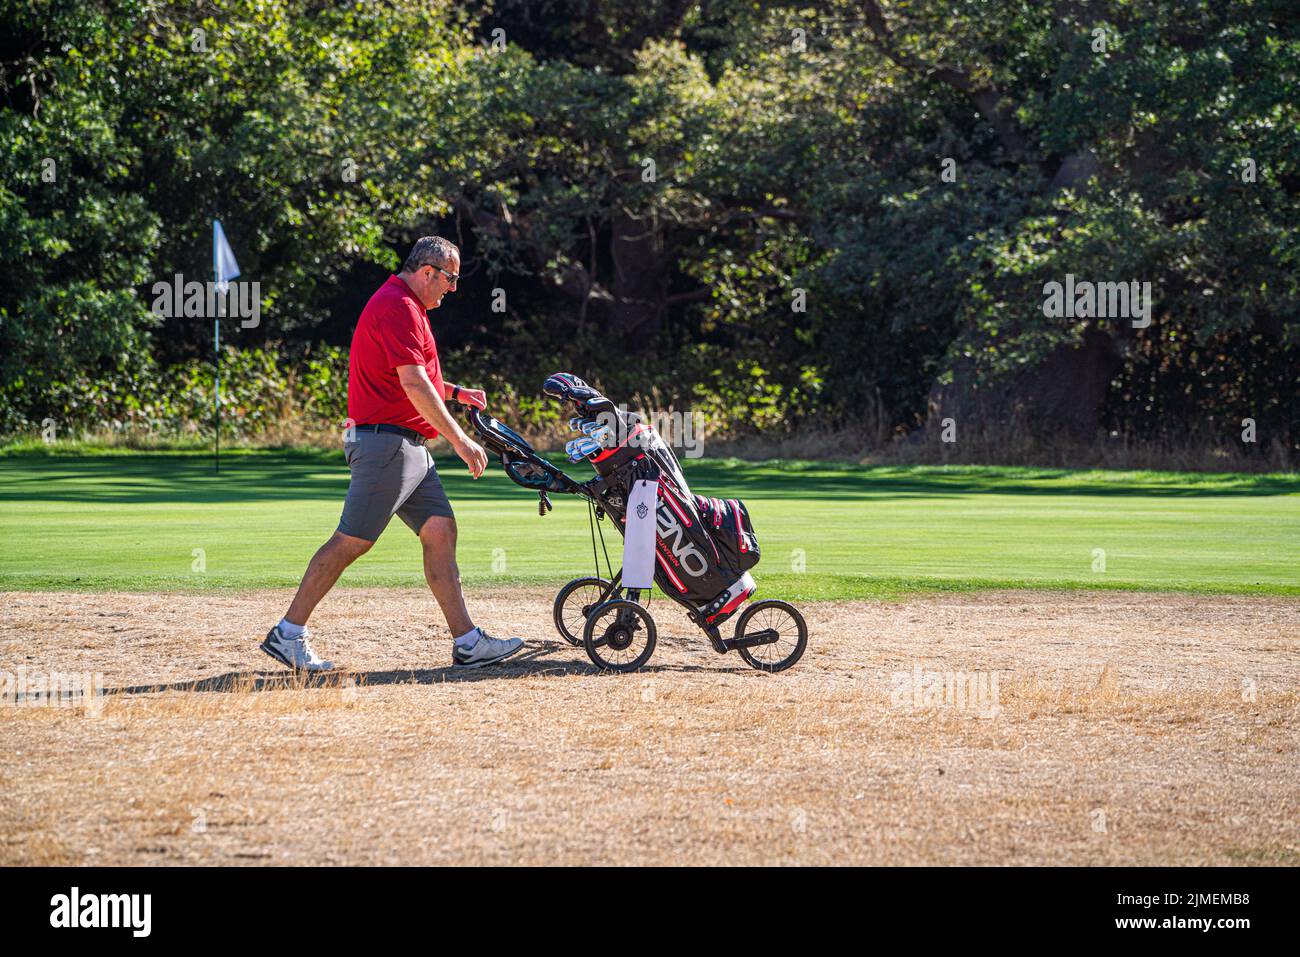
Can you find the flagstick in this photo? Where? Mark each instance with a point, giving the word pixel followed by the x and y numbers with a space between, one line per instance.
pixel 216 392
pixel 224 268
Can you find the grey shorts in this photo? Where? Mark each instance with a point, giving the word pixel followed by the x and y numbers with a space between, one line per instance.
pixel 390 474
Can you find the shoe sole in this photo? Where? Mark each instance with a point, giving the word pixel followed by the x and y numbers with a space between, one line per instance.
pixel 274 653
pixel 489 661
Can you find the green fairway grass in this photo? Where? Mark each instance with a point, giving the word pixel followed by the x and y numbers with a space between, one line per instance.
pixel 151 521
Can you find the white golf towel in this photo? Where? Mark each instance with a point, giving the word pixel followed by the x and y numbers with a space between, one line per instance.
pixel 639 535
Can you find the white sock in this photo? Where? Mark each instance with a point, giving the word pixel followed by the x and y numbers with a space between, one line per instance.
pixel 290 630
pixel 469 639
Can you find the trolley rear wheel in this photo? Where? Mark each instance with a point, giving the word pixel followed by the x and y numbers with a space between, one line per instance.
pixel 775 619
pixel 574 603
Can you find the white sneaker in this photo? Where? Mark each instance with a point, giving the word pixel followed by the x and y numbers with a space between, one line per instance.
pixel 486 651
pixel 297 653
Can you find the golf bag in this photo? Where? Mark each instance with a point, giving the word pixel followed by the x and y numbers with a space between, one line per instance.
pixel 704 547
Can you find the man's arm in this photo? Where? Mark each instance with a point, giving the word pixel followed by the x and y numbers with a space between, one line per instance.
pixel 459 393
pixel 419 389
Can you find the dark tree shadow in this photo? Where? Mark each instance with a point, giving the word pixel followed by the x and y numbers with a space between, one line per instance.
pixel 322 475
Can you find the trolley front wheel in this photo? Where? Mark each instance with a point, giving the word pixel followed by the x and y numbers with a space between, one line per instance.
pixel 619 635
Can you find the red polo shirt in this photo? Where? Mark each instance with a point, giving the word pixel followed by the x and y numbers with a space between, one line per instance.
pixel 393 331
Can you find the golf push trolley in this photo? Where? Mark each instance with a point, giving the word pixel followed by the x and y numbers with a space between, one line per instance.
pixel 703 547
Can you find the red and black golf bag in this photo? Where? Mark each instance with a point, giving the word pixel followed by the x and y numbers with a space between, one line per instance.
pixel 704 547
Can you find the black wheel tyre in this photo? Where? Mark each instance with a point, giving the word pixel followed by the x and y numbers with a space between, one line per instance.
pixel 786 620
pixel 580 596
pixel 614 632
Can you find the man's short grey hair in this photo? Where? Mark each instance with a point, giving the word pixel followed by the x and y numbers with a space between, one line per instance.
pixel 429 251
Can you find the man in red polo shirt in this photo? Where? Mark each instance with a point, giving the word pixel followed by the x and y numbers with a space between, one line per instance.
pixel 396 399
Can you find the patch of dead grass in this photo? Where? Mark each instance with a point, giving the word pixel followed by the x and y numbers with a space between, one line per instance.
pixel 1130 709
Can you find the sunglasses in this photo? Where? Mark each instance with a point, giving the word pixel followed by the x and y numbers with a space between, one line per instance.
pixel 452 277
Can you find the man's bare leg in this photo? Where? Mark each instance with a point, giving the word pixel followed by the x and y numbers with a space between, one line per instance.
pixel 322 572
pixel 438 538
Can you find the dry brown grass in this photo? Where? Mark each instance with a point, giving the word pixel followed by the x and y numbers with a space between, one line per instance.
pixel 869 445
pixel 1132 729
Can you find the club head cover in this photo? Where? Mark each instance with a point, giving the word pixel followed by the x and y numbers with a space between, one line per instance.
pixel 596 404
pixel 567 387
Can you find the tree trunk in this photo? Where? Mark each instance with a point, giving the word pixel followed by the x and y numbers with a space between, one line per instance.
pixel 1060 398
pixel 636 313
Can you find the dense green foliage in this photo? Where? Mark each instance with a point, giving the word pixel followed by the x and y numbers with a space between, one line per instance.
pixel 655 188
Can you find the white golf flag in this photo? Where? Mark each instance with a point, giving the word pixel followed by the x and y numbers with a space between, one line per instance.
pixel 223 257
pixel 224 269
pixel 639 535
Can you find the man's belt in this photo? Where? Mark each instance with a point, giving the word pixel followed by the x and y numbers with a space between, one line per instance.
pixel 411 434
